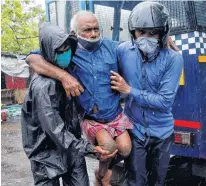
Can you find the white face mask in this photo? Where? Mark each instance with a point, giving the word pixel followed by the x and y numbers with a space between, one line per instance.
pixel 89 40
pixel 89 44
pixel 146 44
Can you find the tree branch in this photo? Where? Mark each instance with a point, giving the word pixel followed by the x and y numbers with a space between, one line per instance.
pixel 15 36
pixel 27 37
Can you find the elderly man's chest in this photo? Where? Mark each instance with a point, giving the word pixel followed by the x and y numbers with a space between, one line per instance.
pixel 95 66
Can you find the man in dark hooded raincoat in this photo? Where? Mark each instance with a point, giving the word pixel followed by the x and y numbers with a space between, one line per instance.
pixel 50 127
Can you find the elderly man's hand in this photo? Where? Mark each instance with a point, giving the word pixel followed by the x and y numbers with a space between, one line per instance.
pixel 103 155
pixel 119 84
pixel 106 157
pixel 71 85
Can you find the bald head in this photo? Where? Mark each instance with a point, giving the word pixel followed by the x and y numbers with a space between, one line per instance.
pixel 85 24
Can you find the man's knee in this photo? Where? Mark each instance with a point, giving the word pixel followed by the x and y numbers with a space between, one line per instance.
pixel 124 144
pixel 111 146
pixel 105 141
pixel 124 150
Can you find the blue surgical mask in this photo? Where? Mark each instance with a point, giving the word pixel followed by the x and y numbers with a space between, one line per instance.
pixel 64 59
pixel 146 44
pixel 88 44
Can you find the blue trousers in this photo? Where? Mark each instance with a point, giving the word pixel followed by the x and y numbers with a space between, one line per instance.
pixel 148 162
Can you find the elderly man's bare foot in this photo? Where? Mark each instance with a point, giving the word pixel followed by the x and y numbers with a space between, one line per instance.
pixel 98 179
pixel 106 179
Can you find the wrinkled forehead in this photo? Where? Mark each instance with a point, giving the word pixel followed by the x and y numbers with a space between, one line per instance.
pixel 87 21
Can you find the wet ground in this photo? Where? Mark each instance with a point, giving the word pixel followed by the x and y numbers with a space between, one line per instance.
pixel 15 167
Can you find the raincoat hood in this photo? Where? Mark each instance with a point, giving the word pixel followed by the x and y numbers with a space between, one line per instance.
pixel 51 37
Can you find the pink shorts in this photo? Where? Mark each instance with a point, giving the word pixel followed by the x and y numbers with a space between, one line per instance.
pixel 115 127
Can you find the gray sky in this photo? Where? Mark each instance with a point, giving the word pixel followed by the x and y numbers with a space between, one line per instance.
pixel 41 3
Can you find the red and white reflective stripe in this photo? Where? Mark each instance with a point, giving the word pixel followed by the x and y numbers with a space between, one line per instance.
pixel 188 124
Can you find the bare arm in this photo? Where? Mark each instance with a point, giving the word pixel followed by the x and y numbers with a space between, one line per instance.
pixel 41 66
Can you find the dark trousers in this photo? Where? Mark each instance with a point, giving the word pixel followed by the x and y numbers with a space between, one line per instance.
pixel 148 162
pixel 76 176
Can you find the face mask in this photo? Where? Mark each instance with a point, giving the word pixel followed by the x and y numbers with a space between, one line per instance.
pixel 63 60
pixel 88 44
pixel 146 44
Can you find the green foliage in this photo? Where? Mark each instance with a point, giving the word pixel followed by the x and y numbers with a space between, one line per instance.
pixel 19 26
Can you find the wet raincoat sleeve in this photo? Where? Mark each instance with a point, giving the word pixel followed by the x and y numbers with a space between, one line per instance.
pixel 164 97
pixel 53 125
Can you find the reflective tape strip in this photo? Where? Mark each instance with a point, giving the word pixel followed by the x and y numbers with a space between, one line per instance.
pixel 202 59
pixel 182 78
pixel 188 124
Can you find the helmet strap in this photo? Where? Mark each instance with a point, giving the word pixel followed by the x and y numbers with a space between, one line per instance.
pixel 132 37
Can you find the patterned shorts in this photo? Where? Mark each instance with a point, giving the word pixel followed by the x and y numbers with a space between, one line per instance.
pixel 115 127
